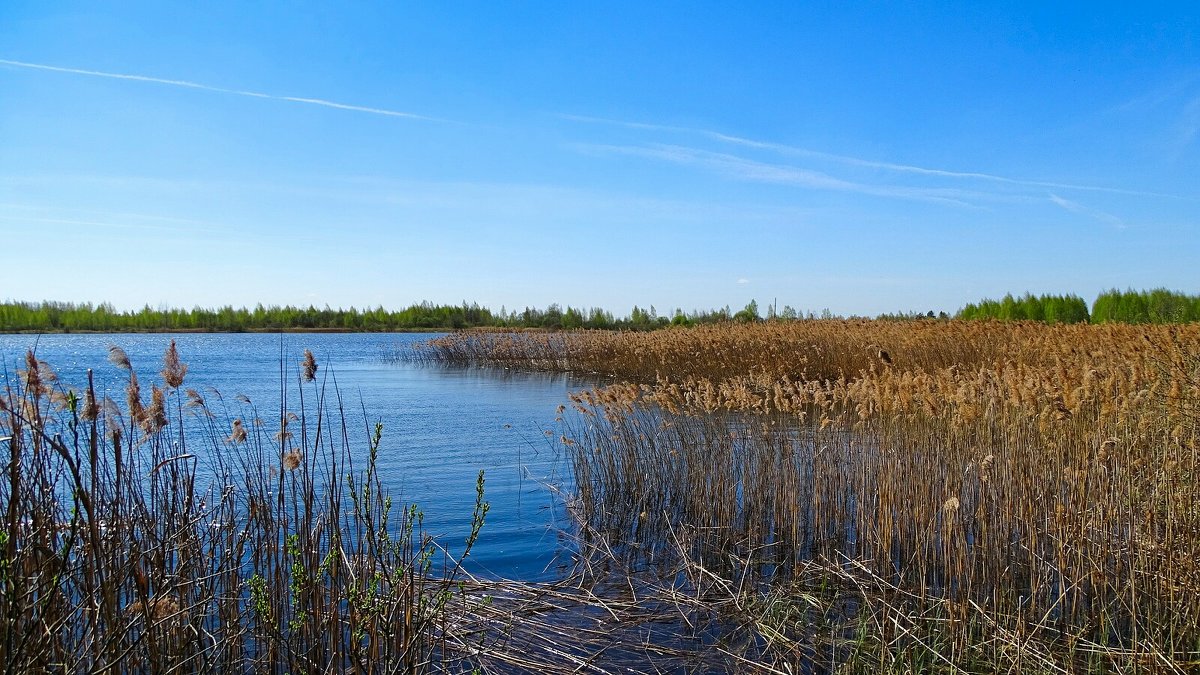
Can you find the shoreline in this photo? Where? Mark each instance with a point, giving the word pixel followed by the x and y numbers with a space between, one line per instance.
pixel 165 331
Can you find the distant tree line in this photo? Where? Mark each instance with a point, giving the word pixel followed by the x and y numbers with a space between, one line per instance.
pixel 1156 306
pixel 67 317
pixel 1047 308
pixel 913 316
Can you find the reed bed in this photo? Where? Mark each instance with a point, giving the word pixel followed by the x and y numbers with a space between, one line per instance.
pixel 771 351
pixel 178 531
pixel 908 497
pixel 181 532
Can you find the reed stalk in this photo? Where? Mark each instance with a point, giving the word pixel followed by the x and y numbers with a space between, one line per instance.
pixel 157 537
pixel 940 496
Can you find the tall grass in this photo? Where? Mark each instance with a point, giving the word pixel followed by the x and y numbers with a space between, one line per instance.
pixel 149 535
pixel 902 497
pixel 178 531
pixel 818 350
pixel 810 497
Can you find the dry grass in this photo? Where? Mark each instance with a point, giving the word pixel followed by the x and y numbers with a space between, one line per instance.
pixel 946 495
pixel 147 538
pixel 807 497
pixel 811 350
pixel 190 535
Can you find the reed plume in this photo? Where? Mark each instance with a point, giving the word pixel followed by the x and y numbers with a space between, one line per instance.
pixel 291 460
pixel 173 370
pixel 308 367
pixel 237 432
pixel 119 358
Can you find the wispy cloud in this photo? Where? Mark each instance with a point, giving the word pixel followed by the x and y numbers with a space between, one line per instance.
pixel 221 90
pixel 26 220
pixel 752 170
pixel 1159 95
pixel 1189 123
pixel 846 160
pixel 96 221
pixel 1076 207
pixel 1179 101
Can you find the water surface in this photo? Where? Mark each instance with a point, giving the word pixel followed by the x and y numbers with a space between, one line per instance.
pixel 441 425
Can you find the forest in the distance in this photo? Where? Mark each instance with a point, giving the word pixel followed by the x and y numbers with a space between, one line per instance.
pixel 1130 306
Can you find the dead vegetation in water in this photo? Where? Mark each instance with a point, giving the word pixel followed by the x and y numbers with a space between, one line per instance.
pixel 817 497
pixel 191 533
pixel 814 350
pixel 953 495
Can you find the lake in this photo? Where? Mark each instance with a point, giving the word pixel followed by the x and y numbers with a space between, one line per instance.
pixel 441 425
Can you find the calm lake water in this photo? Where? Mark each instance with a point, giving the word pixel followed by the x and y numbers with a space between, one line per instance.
pixel 441 425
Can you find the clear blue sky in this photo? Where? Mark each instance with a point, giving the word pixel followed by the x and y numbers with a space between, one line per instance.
pixel 878 158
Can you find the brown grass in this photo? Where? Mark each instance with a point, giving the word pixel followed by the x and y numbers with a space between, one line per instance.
pixel 988 496
pixel 811 350
pixel 758 498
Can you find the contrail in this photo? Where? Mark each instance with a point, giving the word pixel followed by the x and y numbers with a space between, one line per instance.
pixel 856 161
pixel 753 170
pixel 221 90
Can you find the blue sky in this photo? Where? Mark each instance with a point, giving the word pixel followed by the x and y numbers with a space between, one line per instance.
pixel 869 159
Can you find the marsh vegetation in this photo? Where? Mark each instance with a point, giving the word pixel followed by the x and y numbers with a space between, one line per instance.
pixel 905 497
pixel 179 530
pixel 809 496
pixel 160 533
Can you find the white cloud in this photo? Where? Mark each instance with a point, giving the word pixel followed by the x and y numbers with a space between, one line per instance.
pixel 791 150
pixel 222 90
pixel 753 170
pixel 1076 207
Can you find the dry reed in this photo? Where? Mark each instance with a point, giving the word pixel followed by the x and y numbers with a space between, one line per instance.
pixel 144 539
pixel 978 496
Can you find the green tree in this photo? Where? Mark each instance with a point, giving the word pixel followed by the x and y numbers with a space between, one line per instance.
pixel 748 314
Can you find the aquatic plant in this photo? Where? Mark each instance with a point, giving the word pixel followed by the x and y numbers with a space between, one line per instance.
pixel 146 537
pixel 1040 503
pixel 989 496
